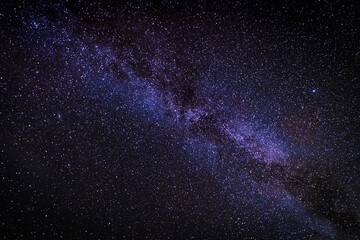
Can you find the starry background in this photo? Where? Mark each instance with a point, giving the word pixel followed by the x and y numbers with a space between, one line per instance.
pixel 185 120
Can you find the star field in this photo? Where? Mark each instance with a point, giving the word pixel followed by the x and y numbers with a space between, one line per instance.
pixel 174 120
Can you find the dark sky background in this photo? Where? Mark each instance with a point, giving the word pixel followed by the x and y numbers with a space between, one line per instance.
pixel 179 120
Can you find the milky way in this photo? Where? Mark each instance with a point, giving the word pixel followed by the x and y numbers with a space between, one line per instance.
pixel 180 120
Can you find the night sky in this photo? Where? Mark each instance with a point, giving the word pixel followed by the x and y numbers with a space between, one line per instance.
pixel 187 120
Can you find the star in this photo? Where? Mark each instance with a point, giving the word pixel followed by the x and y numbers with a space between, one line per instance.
pixel 179 120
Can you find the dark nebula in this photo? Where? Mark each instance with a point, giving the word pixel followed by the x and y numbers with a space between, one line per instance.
pixel 180 120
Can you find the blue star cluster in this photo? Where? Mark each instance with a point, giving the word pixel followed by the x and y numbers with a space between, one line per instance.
pixel 180 120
